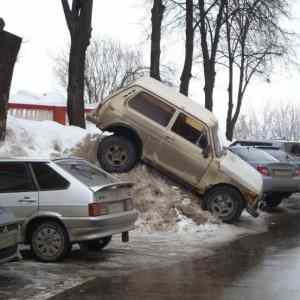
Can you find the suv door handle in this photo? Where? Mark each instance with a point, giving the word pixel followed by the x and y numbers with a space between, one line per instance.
pixel 169 139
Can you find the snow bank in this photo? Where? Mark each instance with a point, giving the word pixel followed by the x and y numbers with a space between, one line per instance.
pixel 46 139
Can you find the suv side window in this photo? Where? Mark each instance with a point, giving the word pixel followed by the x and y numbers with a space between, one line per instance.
pixel 189 128
pixel 47 178
pixel 152 108
pixel 15 177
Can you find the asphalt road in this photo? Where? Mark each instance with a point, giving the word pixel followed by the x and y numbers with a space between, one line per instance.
pixel 259 267
pixel 169 266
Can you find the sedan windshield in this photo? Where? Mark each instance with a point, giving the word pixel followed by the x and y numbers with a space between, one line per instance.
pixel 86 172
pixel 253 155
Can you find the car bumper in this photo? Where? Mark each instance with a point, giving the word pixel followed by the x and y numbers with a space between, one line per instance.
pixel 8 253
pixel 91 228
pixel 289 185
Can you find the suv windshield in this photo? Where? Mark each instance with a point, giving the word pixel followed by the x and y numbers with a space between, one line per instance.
pixel 253 155
pixel 86 172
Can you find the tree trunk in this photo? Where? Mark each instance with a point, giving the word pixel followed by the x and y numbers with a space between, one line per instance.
pixel 210 75
pixel 156 19
pixel 9 49
pixel 76 84
pixel 186 74
pixel 79 19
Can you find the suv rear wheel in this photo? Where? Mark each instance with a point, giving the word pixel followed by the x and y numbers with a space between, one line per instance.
pixel 117 154
pixel 225 203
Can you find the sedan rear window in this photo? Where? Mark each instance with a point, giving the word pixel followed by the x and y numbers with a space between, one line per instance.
pixel 280 155
pixel 86 172
pixel 253 155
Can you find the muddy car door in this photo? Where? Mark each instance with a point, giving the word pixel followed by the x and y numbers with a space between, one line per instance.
pixel 151 116
pixel 185 149
pixel 18 193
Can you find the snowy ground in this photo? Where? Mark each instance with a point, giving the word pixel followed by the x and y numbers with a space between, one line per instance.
pixel 170 228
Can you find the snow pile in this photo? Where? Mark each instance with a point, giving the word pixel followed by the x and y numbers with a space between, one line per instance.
pixel 41 139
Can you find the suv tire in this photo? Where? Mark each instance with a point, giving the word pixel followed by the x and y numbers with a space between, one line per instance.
pixel 49 241
pixel 226 203
pixel 117 154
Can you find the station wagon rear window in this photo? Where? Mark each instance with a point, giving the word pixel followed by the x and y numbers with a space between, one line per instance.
pixel 152 108
pixel 86 172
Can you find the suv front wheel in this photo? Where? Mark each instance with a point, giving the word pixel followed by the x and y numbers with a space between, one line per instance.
pixel 225 203
pixel 117 154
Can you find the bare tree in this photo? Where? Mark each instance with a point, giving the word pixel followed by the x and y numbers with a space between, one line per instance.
pixel 156 21
pixel 110 65
pixel 279 122
pixel 253 38
pixel 210 20
pixel 78 18
pixel 9 48
pixel 186 74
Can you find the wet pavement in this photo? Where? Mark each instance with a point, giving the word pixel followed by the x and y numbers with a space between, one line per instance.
pixel 264 266
pixel 199 265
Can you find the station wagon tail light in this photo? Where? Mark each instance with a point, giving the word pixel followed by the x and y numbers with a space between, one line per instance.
pixel 262 170
pixel 97 209
pixel 297 172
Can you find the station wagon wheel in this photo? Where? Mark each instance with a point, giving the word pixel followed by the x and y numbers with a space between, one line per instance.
pixel 225 203
pixel 117 154
pixel 49 241
pixel 99 244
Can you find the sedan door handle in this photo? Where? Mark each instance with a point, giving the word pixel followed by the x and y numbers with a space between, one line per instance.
pixel 26 200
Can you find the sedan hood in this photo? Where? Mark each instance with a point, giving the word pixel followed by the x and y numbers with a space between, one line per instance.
pixel 241 172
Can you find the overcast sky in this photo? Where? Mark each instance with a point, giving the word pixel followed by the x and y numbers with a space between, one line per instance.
pixel 42 26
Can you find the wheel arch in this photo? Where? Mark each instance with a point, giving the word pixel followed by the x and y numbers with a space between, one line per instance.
pixel 38 220
pixel 128 132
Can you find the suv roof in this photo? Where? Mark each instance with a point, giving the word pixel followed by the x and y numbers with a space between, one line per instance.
pixel 171 95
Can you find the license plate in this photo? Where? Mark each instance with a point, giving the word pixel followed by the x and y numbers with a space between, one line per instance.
pixel 116 207
pixel 282 173
pixel 8 240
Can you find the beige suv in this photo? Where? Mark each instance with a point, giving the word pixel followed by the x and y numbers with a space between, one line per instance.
pixel 156 124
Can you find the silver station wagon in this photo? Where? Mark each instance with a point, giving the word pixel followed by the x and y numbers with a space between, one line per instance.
pixel 9 232
pixel 65 201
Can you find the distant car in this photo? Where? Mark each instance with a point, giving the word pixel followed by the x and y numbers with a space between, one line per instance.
pixel 9 231
pixel 281 179
pixel 290 147
pixel 63 202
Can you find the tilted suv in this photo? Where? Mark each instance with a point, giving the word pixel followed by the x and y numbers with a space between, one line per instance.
pixel 63 202
pixel 156 124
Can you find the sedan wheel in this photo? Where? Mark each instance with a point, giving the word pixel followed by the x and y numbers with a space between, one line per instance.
pixel 50 242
